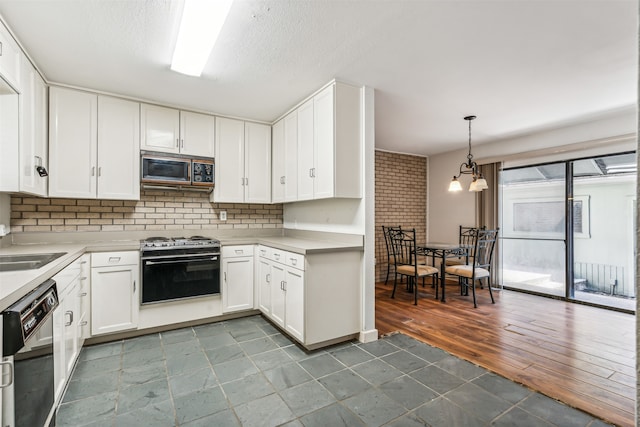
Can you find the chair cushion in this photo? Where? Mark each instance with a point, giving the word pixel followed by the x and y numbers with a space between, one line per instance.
pixel 467 271
pixel 409 270
pixel 457 261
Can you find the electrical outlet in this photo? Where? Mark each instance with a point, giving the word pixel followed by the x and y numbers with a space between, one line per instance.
pixel 223 215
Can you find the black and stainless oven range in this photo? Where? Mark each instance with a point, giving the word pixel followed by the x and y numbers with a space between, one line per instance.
pixel 27 359
pixel 179 268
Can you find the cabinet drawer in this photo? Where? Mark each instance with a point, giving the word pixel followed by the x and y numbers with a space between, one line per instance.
pixel 278 255
pixel 106 259
pixel 237 251
pixel 294 260
pixel 264 251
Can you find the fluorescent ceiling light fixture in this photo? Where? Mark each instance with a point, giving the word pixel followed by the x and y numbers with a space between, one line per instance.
pixel 200 26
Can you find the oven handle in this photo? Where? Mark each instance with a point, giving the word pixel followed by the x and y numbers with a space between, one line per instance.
pixel 180 261
pixel 10 365
pixel 144 258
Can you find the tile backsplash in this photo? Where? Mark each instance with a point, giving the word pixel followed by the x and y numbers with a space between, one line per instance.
pixel 156 210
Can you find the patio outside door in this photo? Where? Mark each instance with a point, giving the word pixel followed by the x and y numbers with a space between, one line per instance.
pixel 568 229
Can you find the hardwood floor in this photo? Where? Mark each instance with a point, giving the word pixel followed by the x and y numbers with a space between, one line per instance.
pixel 580 355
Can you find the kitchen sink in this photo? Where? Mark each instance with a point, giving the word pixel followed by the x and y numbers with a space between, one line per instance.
pixel 27 262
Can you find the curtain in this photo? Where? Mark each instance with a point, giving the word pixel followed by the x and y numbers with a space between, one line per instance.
pixel 487 212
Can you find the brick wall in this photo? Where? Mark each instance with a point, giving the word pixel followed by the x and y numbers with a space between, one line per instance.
pixel 401 199
pixel 156 210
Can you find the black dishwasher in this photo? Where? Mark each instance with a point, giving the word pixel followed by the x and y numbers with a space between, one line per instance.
pixel 27 359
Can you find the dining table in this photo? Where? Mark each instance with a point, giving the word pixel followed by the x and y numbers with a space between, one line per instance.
pixel 442 251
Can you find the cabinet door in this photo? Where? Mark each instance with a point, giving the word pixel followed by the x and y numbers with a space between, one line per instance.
pixel 305 151
pixel 237 284
pixel 197 134
pixel 291 157
pixel 160 128
pixel 72 143
pixel 323 139
pixel 229 170
pixel 264 285
pixel 28 162
pixel 9 58
pixel 277 294
pixel 294 307
pixel 114 299
pixel 84 295
pixel 277 162
pixel 70 309
pixel 257 167
pixel 118 149
pixel 60 363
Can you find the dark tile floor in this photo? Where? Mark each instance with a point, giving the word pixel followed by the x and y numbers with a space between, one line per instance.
pixel 245 372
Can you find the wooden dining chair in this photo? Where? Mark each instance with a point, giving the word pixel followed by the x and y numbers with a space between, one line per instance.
pixel 404 247
pixel 478 264
pixel 387 232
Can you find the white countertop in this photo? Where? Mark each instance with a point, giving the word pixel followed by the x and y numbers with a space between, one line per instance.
pixel 15 284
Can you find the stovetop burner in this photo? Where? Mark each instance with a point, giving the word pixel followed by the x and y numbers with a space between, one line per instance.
pixel 153 243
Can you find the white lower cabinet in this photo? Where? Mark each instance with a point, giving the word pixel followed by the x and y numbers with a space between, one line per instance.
pixel 294 302
pixel 84 295
pixel 115 287
pixel 237 278
pixel 315 298
pixel 286 289
pixel 66 339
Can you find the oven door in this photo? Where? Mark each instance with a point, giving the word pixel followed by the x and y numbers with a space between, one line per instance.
pixel 176 277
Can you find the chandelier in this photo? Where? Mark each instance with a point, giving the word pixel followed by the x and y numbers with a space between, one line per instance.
pixel 470 167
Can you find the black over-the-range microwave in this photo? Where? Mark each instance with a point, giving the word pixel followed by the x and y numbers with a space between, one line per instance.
pixel 172 170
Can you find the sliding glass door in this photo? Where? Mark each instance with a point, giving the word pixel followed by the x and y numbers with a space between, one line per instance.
pixel 568 229
pixel 533 228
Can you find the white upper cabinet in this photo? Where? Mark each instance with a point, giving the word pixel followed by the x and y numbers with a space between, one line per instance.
pixel 93 155
pixel 285 159
pixel 33 131
pixel 291 157
pixel 229 170
pixel 243 162
pixel 173 131
pixel 9 58
pixel 73 142
pixel 118 149
pixel 329 144
pixel 197 134
pixel 277 162
pixel 305 151
pixel 257 168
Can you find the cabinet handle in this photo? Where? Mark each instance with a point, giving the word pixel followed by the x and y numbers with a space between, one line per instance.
pixel 1 55
pixel 100 171
pixel 294 261
pixel 282 180
pixel 225 276
pixel 93 171
pixel 70 313
pixel 269 278
pixel 276 256
pixel 239 251
pixel 83 278
pixel 7 363
pixel 182 143
pixel 114 259
pixel 84 294
pixel 177 142
pixel 284 286
pixel 83 262
pixel 134 286
pixel 84 323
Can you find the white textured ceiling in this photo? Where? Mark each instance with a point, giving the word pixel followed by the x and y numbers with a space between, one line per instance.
pixel 519 65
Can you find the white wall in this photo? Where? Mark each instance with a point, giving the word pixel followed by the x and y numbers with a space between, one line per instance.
pixel 448 210
pixel 332 215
